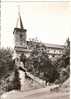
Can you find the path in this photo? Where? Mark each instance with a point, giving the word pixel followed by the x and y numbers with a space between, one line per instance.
pixel 43 93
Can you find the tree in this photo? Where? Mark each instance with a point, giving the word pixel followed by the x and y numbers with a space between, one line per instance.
pixel 42 64
pixel 6 63
pixel 9 76
pixel 63 63
pixel 66 55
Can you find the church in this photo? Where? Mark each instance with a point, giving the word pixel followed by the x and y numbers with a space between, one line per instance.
pixel 24 46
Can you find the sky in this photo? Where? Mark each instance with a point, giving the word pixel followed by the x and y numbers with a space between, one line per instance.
pixel 49 21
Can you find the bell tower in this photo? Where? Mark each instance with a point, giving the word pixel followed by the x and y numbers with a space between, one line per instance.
pixel 19 35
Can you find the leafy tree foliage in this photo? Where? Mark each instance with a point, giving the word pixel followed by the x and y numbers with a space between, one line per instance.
pixel 66 55
pixel 39 63
pixel 9 76
pixel 63 63
pixel 6 63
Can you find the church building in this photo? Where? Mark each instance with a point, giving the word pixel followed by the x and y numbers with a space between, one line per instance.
pixel 24 46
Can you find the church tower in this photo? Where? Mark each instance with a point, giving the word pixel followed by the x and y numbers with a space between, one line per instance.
pixel 19 36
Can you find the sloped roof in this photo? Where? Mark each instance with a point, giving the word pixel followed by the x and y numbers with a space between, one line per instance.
pixel 19 23
pixel 48 45
pixel 54 46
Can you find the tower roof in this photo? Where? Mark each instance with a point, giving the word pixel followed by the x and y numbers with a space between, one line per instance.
pixel 19 22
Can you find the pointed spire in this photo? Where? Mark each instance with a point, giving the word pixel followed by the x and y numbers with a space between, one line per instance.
pixel 19 21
